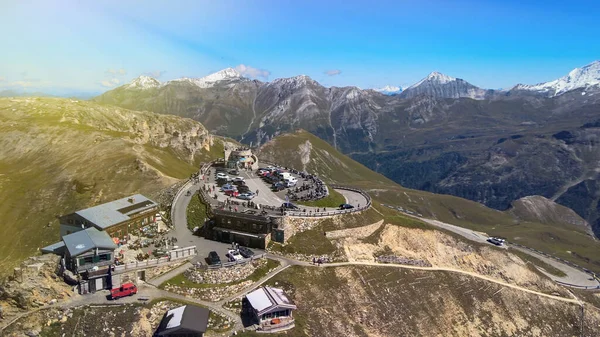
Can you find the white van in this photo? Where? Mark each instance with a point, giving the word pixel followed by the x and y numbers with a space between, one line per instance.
pixel 290 181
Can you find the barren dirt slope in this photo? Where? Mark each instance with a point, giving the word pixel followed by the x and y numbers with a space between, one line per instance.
pixel 442 250
pixel 380 301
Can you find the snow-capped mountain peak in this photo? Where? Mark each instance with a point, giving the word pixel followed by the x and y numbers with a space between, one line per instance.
pixel 389 90
pixel 583 77
pixel 143 82
pixel 435 77
pixel 210 80
pixel 224 74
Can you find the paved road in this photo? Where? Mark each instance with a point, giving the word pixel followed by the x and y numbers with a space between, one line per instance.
pixel 574 276
pixel 151 292
pixel 353 198
pixel 184 235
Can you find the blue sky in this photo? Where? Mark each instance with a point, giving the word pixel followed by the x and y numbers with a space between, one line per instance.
pixel 91 46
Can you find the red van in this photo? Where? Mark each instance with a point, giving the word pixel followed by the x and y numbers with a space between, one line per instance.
pixel 126 289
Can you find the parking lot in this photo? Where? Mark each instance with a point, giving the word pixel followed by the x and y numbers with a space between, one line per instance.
pixel 265 196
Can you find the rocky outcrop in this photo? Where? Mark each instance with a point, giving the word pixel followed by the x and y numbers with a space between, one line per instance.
pixel 33 284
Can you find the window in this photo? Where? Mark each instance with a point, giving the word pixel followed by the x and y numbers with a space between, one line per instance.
pixel 86 260
pixel 105 257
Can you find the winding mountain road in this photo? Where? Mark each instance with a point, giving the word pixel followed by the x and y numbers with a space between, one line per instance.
pixel 574 276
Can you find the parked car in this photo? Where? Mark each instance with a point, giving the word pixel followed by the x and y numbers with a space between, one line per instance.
pixel 289 205
pixel 290 183
pixel 126 289
pixel 228 187
pixel 238 179
pixel 222 176
pixel 278 187
pixel 232 193
pixel 346 206
pixel 234 172
pixel 243 189
pixel 234 255
pixel 239 183
pixel 246 252
pixel 213 258
pixel 246 196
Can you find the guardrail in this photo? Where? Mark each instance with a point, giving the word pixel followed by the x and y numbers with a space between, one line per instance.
pixel 336 212
pixel 576 286
pixel 233 263
pixel 585 270
pixel 174 255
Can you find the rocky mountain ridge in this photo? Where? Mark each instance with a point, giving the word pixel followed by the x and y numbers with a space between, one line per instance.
pixel 442 134
pixel 578 78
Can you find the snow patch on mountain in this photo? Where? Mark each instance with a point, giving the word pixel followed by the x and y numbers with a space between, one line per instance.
pixel 435 78
pixel 292 82
pixel 389 90
pixel 583 77
pixel 212 79
pixel 143 82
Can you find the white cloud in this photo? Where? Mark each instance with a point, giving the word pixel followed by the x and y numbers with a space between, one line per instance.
pixel 155 74
pixel 252 72
pixel 118 72
pixel 22 84
pixel 332 72
pixel 110 83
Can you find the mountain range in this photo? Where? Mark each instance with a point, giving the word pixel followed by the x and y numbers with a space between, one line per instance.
pixel 441 134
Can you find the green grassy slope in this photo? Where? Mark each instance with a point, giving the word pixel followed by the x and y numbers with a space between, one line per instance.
pixel 60 155
pixel 303 150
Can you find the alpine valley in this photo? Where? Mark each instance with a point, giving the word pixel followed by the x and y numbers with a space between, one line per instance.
pixel 442 134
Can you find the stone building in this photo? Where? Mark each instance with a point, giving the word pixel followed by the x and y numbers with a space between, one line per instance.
pixel 240 158
pixel 246 229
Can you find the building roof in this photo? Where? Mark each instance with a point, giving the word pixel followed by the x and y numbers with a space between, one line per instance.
pixel 188 317
pixel 55 248
pixel 265 298
pixel 116 211
pixel 85 240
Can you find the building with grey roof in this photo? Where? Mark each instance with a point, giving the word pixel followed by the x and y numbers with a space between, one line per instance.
pixel 88 254
pixel 117 217
pixel 188 320
pixel 269 308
